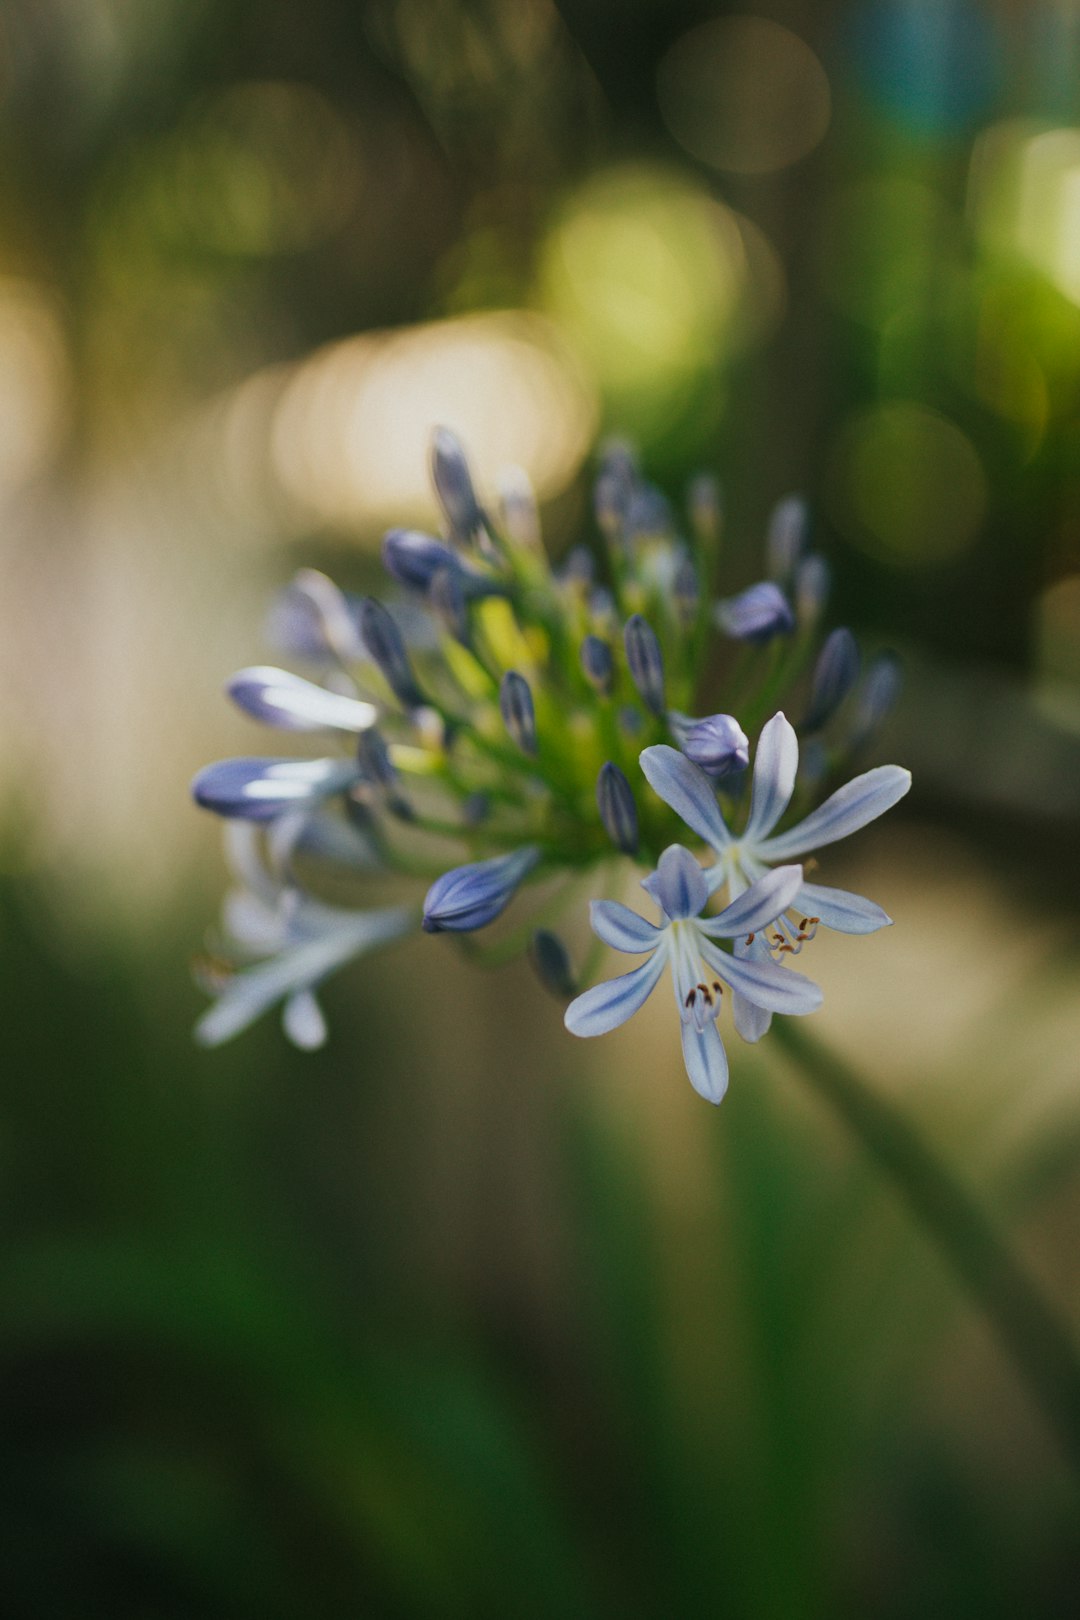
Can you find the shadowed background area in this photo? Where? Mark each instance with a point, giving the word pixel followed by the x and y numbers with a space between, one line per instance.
pixel 459 1316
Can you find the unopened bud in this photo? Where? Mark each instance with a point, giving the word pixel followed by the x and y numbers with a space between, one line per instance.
pixel 835 673
pixel 877 695
pixel 386 649
pixel 551 964
pixel 618 812
pixel 446 596
pixel 646 662
pixel 472 896
pixel 718 744
pixel 597 663
pixel 812 581
pixel 454 486
pixel 786 537
pixel 516 706
pixel 757 614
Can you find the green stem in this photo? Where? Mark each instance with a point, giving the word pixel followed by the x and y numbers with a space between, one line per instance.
pixel 1040 1343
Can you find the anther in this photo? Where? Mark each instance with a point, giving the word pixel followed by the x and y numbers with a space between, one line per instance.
pixel 750 938
pixel 691 998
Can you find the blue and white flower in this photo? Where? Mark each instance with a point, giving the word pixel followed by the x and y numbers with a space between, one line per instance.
pixel 294 942
pixel 686 941
pixel 744 859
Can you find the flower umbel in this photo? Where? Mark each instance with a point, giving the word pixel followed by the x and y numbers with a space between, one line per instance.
pixel 507 708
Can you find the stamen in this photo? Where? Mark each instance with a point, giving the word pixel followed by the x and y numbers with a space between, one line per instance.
pixel 691 998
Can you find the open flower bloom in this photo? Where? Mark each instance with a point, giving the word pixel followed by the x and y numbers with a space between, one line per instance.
pixel 743 860
pixel 699 968
pixel 294 942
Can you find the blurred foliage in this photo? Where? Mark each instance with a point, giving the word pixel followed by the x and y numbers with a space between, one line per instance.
pixel 427 1324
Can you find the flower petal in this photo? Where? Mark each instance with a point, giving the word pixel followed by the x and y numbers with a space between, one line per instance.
pixel 687 790
pixel 859 801
pixel 304 1022
pixel 678 885
pixel 294 704
pixel 837 908
pixel 706 1061
pixel 777 989
pixel 622 928
pixel 259 789
pixel 249 994
pixel 607 1005
pixel 760 905
pixel 775 764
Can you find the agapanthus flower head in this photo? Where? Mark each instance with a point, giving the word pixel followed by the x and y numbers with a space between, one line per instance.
pixel 498 729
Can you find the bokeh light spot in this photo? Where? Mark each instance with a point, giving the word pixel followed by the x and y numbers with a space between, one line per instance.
pixel 349 437
pixel 657 283
pixel 744 95
pixel 906 484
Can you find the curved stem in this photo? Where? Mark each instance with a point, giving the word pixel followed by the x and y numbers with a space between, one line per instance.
pixel 1039 1342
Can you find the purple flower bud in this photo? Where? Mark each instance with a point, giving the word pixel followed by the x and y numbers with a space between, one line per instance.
pixel 454 486
pixel 551 963
pixel 880 690
pixel 597 663
pixel 615 484
pixel 476 809
pixel 646 662
pixel 618 812
pixel 413 558
pixel 786 537
pixel 812 581
pixel 717 743
pixel 311 618
pixel 757 614
pixel 446 597
pixel 647 513
pixel 472 896
pixel 519 715
pixel 261 789
pixel 835 673
pixel 577 567
pixel 378 768
pixel 386 648
pixel 279 698
pixel 601 603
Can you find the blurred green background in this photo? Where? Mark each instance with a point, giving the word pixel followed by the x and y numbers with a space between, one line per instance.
pixel 459 1317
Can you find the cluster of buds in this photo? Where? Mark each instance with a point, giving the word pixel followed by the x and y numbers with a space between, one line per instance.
pixel 550 725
